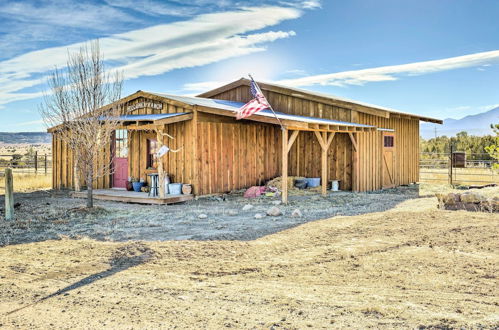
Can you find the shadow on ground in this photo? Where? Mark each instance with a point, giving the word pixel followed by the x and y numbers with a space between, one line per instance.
pixel 122 259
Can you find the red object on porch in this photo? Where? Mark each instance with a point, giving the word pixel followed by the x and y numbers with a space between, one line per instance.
pixel 120 172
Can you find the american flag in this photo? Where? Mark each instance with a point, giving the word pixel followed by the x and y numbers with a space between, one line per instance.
pixel 259 102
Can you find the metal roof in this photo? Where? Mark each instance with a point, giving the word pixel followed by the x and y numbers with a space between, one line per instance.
pixel 151 117
pixel 234 106
pixel 298 92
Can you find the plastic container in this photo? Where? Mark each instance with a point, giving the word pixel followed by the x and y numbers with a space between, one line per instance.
pixel 175 188
pixel 301 183
pixel 166 183
pixel 313 182
pixel 137 186
pixel 335 185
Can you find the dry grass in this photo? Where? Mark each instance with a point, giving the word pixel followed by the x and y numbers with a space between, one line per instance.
pixel 460 175
pixel 28 182
pixel 432 189
pixel 407 267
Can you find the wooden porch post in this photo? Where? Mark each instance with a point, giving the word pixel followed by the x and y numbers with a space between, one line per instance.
pixel 325 140
pixel 161 174
pixel 355 164
pixel 284 170
pixel 286 147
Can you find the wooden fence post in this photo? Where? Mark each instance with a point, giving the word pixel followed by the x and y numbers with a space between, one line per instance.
pixel 9 194
pixel 45 164
pixel 36 162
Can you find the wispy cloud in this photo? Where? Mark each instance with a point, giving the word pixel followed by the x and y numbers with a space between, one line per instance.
pixel 393 72
pixel 31 24
pixel 158 49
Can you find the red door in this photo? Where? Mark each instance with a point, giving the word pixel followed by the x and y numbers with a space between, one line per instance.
pixel 120 163
pixel 120 172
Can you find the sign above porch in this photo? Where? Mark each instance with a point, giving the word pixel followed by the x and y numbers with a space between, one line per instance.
pixel 145 104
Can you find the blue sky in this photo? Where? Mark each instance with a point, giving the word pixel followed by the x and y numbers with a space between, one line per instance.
pixel 435 58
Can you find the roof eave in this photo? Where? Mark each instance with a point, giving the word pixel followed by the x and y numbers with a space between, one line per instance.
pixel 384 113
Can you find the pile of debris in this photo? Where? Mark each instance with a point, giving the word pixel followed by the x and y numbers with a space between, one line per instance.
pixel 469 201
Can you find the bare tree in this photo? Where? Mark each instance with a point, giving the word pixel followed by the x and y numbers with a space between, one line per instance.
pixel 79 105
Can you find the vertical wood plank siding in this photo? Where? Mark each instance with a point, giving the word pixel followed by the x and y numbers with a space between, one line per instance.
pixel 235 154
pixel 178 165
pixel 220 154
pixel 304 157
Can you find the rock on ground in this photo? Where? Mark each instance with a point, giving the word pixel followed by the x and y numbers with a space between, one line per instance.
pixel 296 213
pixel 247 207
pixel 274 211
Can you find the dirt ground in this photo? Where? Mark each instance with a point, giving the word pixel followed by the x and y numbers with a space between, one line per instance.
pixel 49 215
pixel 405 267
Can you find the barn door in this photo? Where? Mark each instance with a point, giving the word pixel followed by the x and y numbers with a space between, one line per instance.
pixel 388 160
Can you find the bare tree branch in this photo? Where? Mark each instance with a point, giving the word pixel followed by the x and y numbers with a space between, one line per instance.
pixel 74 108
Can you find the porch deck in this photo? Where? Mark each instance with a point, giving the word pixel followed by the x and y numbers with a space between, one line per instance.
pixel 122 195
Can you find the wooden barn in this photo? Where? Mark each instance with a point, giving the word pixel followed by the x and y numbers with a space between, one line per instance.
pixel 364 146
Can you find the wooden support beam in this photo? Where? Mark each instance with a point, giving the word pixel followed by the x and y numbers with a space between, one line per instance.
pixel 354 143
pixel 284 169
pixel 292 139
pixel 355 164
pixel 325 139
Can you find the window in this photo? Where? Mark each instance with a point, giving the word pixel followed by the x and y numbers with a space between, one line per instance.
pixel 388 141
pixel 152 149
pixel 121 143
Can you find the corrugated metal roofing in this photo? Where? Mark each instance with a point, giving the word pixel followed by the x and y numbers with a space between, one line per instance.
pixel 234 106
pixel 298 92
pixel 150 117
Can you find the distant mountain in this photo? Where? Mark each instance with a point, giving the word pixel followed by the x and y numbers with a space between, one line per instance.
pixel 474 124
pixel 25 137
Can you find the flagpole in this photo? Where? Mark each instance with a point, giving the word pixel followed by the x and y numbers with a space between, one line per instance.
pixel 270 106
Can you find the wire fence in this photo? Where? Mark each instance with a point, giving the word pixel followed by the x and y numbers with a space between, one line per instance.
pixel 458 168
pixel 31 163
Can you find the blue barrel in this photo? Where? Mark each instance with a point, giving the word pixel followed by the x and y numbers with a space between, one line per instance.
pixel 313 182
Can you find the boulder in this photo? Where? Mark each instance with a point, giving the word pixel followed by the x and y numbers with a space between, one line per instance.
pixel 472 197
pixel 274 211
pixel 296 213
pixel 259 216
pixel 491 204
pixel 451 198
pixel 202 216
pixel 247 207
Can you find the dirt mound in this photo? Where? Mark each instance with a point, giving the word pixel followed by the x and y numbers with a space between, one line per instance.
pixel 132 254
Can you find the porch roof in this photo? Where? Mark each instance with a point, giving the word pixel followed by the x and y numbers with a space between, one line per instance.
pixel 150 117
pixel 151 121
pixel 229 108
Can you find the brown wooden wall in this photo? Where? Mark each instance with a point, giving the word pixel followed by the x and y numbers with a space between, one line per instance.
pixel 235 154
pixel 305 154
pixel 178 165
pixel 63 166
pixel 221 154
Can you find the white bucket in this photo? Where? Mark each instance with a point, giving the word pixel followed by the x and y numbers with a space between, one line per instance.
pixel 166 183
pixel 335 185
pixel 175 188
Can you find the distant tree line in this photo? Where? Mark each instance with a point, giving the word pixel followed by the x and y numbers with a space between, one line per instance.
pixel 475 147
pixel 493 149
